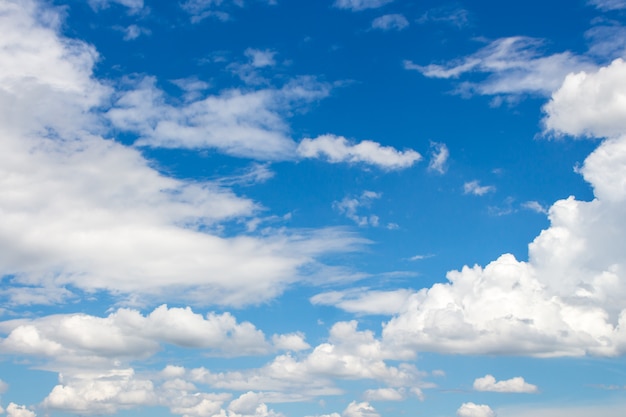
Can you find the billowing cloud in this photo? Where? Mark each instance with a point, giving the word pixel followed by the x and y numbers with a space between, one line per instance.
pixel 589 103
pixel 475 410
pixel 513 385
pixel 363 409
pixel 513 65
pixel 390 22
pixel 357 5
pixel 567 299
pixel 339 149
pixel 15 410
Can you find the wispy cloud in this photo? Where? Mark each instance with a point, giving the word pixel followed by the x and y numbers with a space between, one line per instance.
pixel 358 5
pixel 474 188
pixel 390 22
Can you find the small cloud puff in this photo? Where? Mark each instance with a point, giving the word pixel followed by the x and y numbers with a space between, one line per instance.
pixel 357 5
pixel 513 385
pixel 390 22
pixel 475 410
pixel 474 188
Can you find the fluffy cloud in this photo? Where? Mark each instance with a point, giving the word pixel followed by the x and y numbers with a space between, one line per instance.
pixel 384 394
pixel 238 123
pixel 357 5
pixel 568 298
pixel 339 149
pixel 513 66
pixel 475 410
pixel 514 385
pixel 82 211
pixel 15 410
pixel 363 409
pixel 390 22
pixel 589 103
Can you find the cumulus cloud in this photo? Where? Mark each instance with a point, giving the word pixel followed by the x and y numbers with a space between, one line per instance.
pixel 589 103
pixel 357 5
pixel 15 410
pixel 363 409
pixel 390 22
pixel 474 188
pixel 513 65
pixel 567 299
pixel 438 157
pixel 475 410
pixel 384 394
pixel 339 149
pixel 513 385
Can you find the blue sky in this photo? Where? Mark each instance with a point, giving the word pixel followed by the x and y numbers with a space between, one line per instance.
pixel 349 208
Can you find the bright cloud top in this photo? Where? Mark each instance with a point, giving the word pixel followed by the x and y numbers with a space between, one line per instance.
pixel 513 385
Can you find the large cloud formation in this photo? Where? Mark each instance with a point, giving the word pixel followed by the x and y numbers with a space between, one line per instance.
pixel 568 298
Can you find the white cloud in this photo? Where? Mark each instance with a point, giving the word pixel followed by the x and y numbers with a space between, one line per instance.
pixel 513 65
pixel 357 5
pixel 260 58
pixel 15 410
pixel 513 385
pixel 384 394
pixel 201 9
pixel 339 149
pixel 390 22
pixel 365 301
pixel 438 157
pixel 239 123
pixel 84 212
pixel 292 341
pixel 474 188
pixel 363 409
pixel 134 5
pixel 350 205
pixel 568 298
pixel 3 387
pixel 609 4
pixel 535 206
pixel 132 32
pixel 589 103
pixel 475 410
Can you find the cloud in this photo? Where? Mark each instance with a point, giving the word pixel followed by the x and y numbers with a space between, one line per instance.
pixel 358 5
pixel 608 4
pixel 247 124
pixel 134 5
pixel 390 22
pixel 474 188
pixel 454 16
pixel 535 206
pixel 260 58
pixel 513 65
pixel 438 157
pixel 363 409
pixel 365 301
pixel 349 206
pixel 513 385
pixel 475 410
pixel 132 32
pixel 567 299
pixel 15 410
pixel 589 103
pixel 293 341
pixel 338 149
pixel 384 394
pixel 201 9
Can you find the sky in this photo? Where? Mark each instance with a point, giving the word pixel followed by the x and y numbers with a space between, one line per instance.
pixel 330 208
